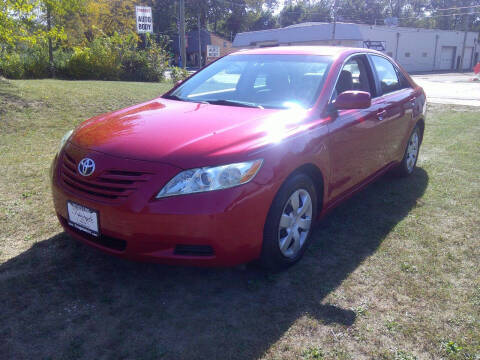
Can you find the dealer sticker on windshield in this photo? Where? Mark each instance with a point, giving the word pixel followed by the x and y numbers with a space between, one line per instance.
pixel 83 218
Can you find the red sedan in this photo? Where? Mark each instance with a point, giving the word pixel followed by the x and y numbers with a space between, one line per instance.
pixel 238 161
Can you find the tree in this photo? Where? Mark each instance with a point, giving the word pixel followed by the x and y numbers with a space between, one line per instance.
pixel 242 15
pixel 292 14
pixel 320 11
pixel 14 17
pixel 52 13
pixel 119 17
pixel 102 17
pixel 164 16
pixel 446 19
pixel 264 20
pixel 360 11
pixel 35 21
pixel 235 22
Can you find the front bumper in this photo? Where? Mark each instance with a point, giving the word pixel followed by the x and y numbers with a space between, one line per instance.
pixel 229 222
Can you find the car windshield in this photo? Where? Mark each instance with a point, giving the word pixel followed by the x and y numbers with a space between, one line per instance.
pixel 263 81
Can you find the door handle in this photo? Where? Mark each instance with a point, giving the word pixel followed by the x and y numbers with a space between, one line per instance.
pixel 381 114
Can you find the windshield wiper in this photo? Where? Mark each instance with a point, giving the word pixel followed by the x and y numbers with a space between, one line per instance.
pixel 234 103
pixel 173 97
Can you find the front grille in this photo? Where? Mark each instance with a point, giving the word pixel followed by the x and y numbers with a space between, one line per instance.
pixel 193 250
pixel 112 184
pixel 102 240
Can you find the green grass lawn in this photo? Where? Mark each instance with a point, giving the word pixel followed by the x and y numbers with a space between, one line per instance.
pixel 394 273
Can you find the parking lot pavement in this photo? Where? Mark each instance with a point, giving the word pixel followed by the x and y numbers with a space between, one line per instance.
pixel 450 88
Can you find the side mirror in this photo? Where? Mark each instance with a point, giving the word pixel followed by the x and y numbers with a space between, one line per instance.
pixel 353 100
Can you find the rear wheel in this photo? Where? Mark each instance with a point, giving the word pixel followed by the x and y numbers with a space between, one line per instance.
pixel 289 223
pixel 406 167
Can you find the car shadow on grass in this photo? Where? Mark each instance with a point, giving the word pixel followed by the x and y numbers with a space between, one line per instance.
pixel 62 299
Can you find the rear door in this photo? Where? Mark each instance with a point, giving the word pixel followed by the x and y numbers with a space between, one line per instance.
pixel 394 104
pixel 447 55
pixel 355 138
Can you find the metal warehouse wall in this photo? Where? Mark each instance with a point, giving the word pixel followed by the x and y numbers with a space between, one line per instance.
pixel 424 50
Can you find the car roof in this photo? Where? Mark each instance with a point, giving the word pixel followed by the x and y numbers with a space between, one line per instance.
pixel 304 50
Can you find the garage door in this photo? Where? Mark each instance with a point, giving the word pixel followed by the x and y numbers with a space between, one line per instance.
pixel 446 57
pixel 467 58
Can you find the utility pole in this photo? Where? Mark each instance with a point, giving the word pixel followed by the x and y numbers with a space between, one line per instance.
pixel 465 28
pixel 199 44
pixel 183 52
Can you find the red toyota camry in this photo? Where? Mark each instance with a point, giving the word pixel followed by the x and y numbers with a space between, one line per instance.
pixel 238 161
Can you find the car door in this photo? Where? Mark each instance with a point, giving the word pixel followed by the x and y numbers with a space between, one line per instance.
pixel 395 103
pixel 355 137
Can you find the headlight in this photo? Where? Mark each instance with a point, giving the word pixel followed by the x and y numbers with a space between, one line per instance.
pixel 210 178
pixel 64 139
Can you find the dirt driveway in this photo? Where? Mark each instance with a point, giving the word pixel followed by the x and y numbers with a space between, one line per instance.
pixel 450 88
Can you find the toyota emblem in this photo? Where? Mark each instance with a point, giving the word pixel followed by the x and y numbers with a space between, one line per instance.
pixel 86 167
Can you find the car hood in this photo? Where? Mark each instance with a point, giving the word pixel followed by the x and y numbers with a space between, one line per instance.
pixel 185 134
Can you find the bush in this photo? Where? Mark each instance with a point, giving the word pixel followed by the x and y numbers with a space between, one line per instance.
pixel 144 65
pixel 99 61
pixel 35 62
pixel 116 57
pixel 29 62
pixel 61 58
pixel 178 74
pixel 157 62
pixel 11 66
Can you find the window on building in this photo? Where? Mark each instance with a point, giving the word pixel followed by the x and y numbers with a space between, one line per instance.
pixel 407 54
pixel 224 44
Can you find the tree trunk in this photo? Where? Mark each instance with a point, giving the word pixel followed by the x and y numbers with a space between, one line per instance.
pixel 51 68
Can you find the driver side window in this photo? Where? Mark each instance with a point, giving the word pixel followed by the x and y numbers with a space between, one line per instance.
pixel 354 76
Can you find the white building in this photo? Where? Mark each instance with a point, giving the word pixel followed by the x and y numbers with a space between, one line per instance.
pixel 415 49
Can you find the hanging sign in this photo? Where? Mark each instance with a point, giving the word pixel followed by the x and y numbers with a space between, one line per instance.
pixel 144 19
pixel 213 51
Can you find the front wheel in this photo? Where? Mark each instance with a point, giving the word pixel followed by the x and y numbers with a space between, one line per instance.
pixel 406 167
pixel 289 223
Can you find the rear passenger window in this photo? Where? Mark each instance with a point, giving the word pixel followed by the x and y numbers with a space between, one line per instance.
pixel 404 84
pixel 387 75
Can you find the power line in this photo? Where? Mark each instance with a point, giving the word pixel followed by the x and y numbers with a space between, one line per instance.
pixel 433 16
pixel 327 14
pixel 429 10
pixel 443 9
pixel 456 8
pixel 408 17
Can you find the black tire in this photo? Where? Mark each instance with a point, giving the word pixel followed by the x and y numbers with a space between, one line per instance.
pixel 403 169
pixel 272 257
